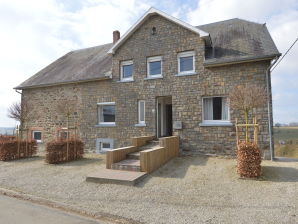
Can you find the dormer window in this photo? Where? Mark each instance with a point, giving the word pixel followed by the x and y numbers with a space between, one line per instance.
pixel 186 62
pixel 126 71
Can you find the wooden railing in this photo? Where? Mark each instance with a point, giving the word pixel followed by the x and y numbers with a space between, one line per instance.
pixel 119 154
pixel 152 159
pixel 140 141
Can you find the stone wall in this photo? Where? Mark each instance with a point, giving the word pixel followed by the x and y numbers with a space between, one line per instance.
pixel 186 92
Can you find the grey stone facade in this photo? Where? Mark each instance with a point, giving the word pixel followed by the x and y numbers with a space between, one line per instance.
pixel 186 93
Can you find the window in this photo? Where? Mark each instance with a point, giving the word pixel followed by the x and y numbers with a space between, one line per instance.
pixel 104 144
pixel 186 62
pixel 63 135
pixel 154 66
pixel 36 135
pixel 215 109
pixel 106 113
pixel 141 111
pixel 126 71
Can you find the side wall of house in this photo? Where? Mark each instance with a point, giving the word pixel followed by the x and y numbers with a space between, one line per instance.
pixel 186 92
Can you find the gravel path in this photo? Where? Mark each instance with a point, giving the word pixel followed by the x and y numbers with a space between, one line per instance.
pixel 186 190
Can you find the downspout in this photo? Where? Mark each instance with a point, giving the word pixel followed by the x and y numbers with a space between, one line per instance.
pixel 269 97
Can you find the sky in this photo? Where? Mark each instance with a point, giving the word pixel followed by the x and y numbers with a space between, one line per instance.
pixel 34 33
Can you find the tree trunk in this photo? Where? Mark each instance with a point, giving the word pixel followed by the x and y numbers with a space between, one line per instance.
pixel 246 127
pixel 67 143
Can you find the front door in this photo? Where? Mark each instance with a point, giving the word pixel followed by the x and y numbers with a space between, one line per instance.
pixel 164 123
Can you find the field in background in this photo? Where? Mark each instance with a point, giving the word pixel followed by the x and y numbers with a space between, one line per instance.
pixel 286 141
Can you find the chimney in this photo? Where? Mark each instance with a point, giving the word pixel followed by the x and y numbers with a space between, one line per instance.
pixel 116 36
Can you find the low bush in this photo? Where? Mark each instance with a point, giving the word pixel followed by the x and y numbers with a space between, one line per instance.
pixel 249 160
pixel 56 151
pixel 9 149
pixel 7 138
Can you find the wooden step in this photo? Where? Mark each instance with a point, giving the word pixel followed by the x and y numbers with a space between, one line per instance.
pixel 127 164
pixel 134 155
pixel 108 176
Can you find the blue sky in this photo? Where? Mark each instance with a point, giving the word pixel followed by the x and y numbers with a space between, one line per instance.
pixel 34 33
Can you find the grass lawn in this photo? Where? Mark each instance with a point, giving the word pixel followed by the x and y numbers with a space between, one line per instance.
pixel 290 136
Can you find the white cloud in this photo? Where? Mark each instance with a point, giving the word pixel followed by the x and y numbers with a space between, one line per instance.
pixel 34 33
pixel 282 21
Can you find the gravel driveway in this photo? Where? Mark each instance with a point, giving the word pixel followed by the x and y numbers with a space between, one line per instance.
pixel 186 190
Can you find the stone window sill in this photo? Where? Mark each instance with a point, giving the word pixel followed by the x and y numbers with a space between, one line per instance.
pixel 216 124
pixel 152 77
pixel 186 74
pixel 106 125
pixel 129 80
pixel 140 125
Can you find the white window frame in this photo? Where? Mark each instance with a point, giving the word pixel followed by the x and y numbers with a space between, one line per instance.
pixel 99 112
pixel 38 141
pixel 139 112
pixel 101 141
pixel 186 54
pixel 154 59
pixel 123 63
pixel 219 122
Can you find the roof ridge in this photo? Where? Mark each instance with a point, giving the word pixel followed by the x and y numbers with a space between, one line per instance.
pixel 229 20
pixel 102 45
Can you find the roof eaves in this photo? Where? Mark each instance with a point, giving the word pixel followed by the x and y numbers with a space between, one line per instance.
pixel 62 83
pixel 150 12
pixel 215 63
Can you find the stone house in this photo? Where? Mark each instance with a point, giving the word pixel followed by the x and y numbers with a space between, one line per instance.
pixel 162 77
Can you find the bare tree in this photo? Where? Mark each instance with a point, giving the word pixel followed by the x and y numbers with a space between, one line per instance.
pixel 19 111
pixel 246 98
pixel 67 108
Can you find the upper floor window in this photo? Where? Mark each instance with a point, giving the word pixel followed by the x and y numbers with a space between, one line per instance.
pixel 106 113
pixel 186 62
pixel 126 70
pixel 154 66
pixel 215 109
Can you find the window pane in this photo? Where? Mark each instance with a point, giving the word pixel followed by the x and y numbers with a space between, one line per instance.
pixel 142 111
pixel 225 109
pixel 155 68
pixel 127 71
pixel 37 135
pixel 63 135
pixel 186 64
pixel 106 145
pixel 108 113
pixel 217 107
pixel 208 108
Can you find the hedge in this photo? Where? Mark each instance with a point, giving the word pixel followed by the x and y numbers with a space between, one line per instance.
pixel 56 151
pixel 9 149
pixel 7 138
pixel 249 160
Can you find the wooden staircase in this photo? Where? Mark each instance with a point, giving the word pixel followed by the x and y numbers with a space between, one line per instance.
pixel 132 161
pixel 129 165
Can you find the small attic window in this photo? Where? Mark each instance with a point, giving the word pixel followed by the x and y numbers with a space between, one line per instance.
pixel 153 31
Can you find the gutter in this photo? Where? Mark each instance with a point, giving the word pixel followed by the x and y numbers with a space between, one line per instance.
pixel 269 97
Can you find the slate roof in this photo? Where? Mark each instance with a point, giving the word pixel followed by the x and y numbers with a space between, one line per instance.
pixel 237 40
pixel 233 41
pixel 76 66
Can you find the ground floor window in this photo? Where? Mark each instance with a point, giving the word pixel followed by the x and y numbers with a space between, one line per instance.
pixel 104 144
pixel 215 109
pixel 37 135
pixel 106 113
pixel 141 111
